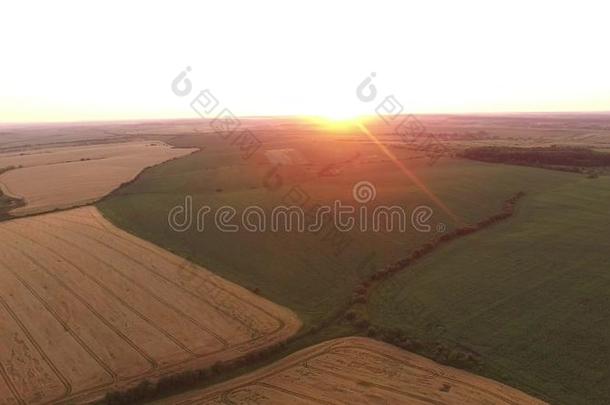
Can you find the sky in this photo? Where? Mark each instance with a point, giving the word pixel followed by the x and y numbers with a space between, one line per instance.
pixel 116 60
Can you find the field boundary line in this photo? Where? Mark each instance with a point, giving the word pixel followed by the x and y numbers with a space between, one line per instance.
pixel 162 301
pixel 330 347
pixel 200 298
pixel 16 234
pixel 64 381
pixel 156 250
pixel 276 388
pixel 66 327
pixel 11 386
pixel 157 371
pixel 435 373
pixel 87 305
pixel 95 281
pixel 209 303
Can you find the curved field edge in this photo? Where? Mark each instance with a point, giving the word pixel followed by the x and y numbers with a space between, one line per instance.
pixel 356 368
pixel 8 203
pixel 60 256
pixel 528 296
pixel 477 189
pixel 17 206
pixel 455 355
pixel 309 273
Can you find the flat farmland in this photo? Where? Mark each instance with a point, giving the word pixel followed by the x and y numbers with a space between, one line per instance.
pixel 356 371
pixel 64 177
pixel 315 274
pixel 86 308
pixel 529 295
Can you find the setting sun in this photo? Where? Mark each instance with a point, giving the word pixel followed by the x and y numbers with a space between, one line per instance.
pixel 469 57
pixel 337 123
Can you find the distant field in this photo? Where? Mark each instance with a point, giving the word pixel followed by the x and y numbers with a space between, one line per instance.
pixel 530 295
pixel 356 371
pixel 46 179
pixel 86 308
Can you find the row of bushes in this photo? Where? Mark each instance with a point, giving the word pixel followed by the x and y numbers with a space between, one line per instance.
pixel 361 291
pixel 8 203
pixel 549 157
pixel 169 384
pixel 148 390
pixel 7 168
pixel 440 352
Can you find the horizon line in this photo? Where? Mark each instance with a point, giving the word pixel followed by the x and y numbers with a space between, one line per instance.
pixel 429 114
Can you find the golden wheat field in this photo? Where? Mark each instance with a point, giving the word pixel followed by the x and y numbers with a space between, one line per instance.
pixel 86 308
pixel 356 370
pixel 69 176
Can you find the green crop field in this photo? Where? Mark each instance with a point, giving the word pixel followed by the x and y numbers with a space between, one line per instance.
pixel 530 295
pixel 313 274
pixel 527 295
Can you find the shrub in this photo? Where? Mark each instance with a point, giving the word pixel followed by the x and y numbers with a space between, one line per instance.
pixel 350 315
pixel 372 331
pixel 361 324
pixel 360 290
